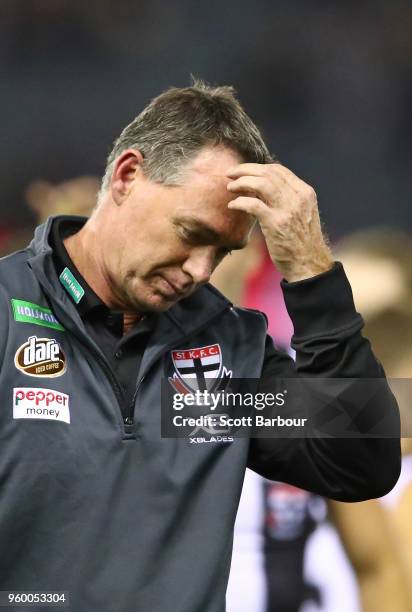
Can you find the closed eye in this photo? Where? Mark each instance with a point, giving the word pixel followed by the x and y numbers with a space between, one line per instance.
pixel 190 237
pixel 205 237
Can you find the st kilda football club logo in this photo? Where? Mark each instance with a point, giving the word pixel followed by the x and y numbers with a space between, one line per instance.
pixel 199 369
pixel 40 357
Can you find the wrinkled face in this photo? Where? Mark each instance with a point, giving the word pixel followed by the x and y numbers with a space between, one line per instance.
pixel 165 241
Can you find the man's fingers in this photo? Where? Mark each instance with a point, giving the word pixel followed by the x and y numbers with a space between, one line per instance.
pixel 275 190
pixel 270 171
pixel 247 170
pixel 251 184
pixel 294 181
pixel 252 206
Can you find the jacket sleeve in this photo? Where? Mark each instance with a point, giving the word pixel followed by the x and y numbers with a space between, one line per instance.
pixel 329 344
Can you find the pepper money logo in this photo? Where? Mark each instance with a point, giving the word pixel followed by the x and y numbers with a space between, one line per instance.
pixel 35 403
pixel 40 357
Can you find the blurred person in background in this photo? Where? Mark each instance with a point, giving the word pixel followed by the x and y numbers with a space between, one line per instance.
pixel 76 196
pixel 379 265
pixel 287 556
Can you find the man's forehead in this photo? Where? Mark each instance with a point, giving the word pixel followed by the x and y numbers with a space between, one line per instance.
pixel 213 162
pixel 205 197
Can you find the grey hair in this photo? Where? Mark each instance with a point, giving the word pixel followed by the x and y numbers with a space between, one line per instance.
pixel 178 123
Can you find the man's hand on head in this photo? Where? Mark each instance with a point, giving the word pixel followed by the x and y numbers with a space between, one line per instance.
pixel 288 214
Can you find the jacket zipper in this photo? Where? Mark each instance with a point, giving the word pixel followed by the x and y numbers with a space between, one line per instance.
pixel 129 417
pixel 116 388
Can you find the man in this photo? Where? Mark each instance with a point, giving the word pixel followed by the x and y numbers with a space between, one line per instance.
pixel 94 502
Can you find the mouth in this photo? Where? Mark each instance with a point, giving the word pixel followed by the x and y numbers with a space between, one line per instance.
pixel 169 290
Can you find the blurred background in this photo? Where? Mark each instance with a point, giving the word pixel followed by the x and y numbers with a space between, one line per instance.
pixel 330 85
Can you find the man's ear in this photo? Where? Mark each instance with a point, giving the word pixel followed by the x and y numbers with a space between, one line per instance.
pixel 127 166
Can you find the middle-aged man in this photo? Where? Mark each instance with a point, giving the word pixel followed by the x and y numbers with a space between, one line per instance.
pixel 94 502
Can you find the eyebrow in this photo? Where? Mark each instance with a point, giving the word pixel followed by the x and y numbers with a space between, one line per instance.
pixel 207 233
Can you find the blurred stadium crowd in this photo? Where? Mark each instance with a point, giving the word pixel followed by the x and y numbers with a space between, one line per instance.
pixel 330 84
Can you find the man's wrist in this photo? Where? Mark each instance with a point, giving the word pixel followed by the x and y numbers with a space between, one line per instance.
pixel 309 269
pixel 306 272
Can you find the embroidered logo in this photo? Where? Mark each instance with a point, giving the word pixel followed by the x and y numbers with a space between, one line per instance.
pixel 199 369
pixel 40 357
pixel 27 312
pixel 72 286
pixel 35 403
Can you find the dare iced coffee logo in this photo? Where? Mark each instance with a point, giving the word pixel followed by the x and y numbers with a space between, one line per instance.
pixel 41 357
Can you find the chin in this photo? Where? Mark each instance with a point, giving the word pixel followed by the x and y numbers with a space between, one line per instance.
pixel 152 303
pixel 143 297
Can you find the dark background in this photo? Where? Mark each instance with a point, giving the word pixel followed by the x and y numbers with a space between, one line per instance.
pixel 329 83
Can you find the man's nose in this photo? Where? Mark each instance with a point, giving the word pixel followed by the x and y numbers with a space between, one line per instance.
pixel 199 264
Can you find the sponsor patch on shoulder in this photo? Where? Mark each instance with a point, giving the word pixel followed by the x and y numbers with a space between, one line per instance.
pixel 40 357
pixel 36 403
pixel 27 312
